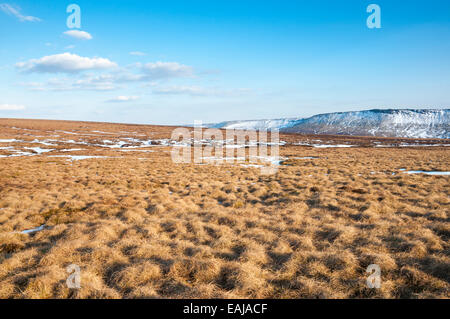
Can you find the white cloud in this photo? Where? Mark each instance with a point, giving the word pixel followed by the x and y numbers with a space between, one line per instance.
pixel 65 63
pixel 102 82
pixel 33 86
pixel 77 34
pixel 11 107
pixel 128 77
pixel 85 82
pixel 150 72
pixel 71 46
pixel 123 98
pixel 88 82
pixel 198 91
pixel 181 89
pixel 163 70
pixel 138 53
pixel 115 78
pixel 15 11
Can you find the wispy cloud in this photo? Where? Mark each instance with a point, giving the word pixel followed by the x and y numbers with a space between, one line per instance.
pixel 15 11
pixel 164 70
pixel 33 86
pixel 64 63
pixel 102 82
pixel 11 107
pixel 123 98
pixel 137 53
pixel 153 71
pixel 77 34
pixel 84 76
pixel 199 91
pixel 87 82
pixel 182 89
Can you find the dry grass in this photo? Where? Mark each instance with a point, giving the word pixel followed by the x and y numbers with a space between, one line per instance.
pixel 150 228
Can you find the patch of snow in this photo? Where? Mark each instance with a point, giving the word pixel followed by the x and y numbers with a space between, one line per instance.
pixel 39 150
pixel 330 145
pixel 428 173
pixel 306 157
pixel 422 145
pixel 72 150
pixel 17 154
pixel 79 157
pixel 252 165
pixel 137 150
pixel 101 132
pixel 75 142
pixel 46 142
pixel 29 231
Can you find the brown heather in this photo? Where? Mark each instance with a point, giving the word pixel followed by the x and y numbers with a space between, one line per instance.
pixel 140 226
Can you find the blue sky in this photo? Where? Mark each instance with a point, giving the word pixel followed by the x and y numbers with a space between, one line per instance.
pixel 173 62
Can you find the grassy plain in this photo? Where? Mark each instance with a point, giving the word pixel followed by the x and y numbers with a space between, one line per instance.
pixel 140 226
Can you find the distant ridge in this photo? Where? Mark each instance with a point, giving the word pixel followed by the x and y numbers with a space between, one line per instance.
pixel 412 123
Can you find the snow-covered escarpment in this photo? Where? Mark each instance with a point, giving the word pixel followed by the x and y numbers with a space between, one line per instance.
pixel 388 123
pixel 257 124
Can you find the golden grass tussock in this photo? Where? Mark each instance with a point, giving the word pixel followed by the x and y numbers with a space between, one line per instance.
pixel 140 226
